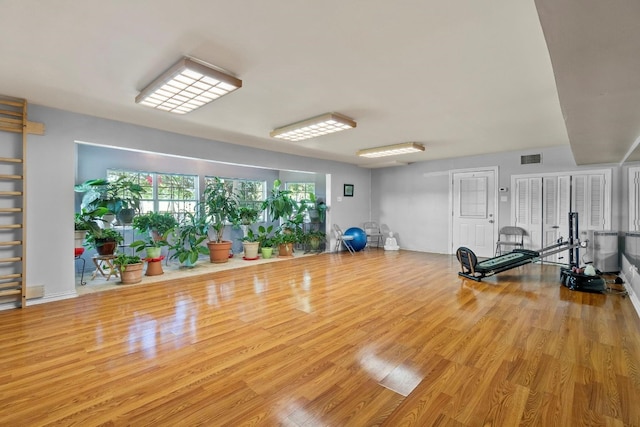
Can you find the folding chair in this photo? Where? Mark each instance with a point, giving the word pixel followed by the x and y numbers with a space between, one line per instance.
pixel 373 233
pixel 341 239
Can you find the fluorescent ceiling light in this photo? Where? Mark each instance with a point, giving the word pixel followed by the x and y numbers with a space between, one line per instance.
pixel 384 164
pixel 391 150
pixel 316 126
pixel 187 85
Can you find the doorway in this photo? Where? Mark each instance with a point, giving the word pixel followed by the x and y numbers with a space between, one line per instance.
pixel 473 211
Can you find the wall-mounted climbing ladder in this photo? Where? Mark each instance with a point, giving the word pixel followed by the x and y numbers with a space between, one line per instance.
pixel 13 146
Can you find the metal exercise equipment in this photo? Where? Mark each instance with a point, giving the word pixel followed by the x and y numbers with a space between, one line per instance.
pixel 474 270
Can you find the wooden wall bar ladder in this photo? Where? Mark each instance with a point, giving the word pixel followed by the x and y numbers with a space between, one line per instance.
pixel 13 147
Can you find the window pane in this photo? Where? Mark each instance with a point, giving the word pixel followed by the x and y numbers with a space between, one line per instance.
pixel 249 193
pixel 174 193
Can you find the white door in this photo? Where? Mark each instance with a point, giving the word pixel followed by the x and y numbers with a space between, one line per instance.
pixel 474 198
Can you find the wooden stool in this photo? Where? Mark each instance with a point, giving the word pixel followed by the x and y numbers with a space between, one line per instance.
pixel 104 266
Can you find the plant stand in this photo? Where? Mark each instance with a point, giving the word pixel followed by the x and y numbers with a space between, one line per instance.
pixel 154 266
pixel 104 266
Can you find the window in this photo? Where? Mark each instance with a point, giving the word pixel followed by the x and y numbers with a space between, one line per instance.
pixel 301 190
pixel 163 192
pixel 250 193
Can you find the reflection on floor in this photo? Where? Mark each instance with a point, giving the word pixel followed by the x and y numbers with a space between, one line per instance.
pixel 172 271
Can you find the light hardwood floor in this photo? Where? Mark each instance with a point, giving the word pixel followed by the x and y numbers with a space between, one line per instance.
pixel 378 338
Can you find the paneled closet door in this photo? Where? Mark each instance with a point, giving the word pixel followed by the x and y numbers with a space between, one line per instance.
pixel 556 198
pixel 551 198
pixel 589 197
pixel 528 209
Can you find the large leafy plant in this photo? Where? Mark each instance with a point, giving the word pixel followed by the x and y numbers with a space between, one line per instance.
pixel 187 238
pixel 220 206
pixel 113 195
pixel 279 203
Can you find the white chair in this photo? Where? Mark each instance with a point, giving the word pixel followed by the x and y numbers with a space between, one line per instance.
pixel 341 239
pixel 372 229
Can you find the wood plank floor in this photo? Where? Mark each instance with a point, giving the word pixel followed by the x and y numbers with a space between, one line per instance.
pixel 378 338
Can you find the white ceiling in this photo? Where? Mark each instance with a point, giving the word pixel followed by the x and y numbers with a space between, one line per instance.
pixel 462 77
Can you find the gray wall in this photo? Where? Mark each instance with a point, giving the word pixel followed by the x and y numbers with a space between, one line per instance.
pixel 414 200
pixel 51 175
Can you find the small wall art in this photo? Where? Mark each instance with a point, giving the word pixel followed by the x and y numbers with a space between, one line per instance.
pixel 348 190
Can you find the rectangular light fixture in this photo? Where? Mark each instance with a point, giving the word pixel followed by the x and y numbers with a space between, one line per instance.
pixel 187 85
pixel 388 164
pixel 391 150
pixel 316 126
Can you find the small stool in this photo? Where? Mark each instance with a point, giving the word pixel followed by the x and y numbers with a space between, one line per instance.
pixel 104 266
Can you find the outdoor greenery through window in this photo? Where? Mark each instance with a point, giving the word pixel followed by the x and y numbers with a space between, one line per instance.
pixel 250 193
pixel 163 192
pixel 301 190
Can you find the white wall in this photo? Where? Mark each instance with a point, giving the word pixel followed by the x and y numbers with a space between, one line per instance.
pixel 414 200
pixel 51 170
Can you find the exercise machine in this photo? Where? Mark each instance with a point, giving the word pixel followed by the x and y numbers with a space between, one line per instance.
pixel 474 270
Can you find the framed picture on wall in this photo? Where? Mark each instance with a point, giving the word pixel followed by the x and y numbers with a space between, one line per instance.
pixel 348 190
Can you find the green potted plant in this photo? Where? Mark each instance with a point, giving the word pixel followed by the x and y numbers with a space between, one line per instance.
pixel 285 238
pixel 265 238
pixel 129 267
pixel 86 220
pixel 251 245
pixel 152 245
pixel 104 240
pixel 116 196
pixel 317 209
pixel 314 238
pixel 246 215
pixel 220 206
pixel 156 223
pixel 186 239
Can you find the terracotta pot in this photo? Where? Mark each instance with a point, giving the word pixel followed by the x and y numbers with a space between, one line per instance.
pixel 154 268
pixel 285 250
pixel 131 273
pixel 219 252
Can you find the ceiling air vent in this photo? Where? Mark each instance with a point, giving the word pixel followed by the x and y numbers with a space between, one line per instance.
pixel 530 159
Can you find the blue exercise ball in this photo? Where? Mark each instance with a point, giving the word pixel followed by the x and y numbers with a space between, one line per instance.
pixel 359 238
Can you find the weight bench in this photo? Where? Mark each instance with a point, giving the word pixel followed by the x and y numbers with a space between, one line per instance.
pixel 474 270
